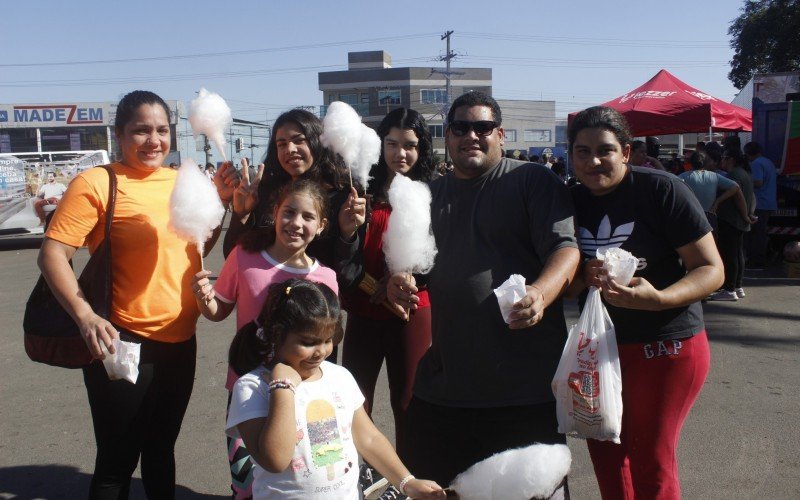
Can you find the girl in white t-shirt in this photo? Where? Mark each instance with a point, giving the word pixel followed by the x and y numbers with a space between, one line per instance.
pixel 301 417
pixel 261 259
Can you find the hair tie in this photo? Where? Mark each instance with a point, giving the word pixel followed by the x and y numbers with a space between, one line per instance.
pixel 260 334
pixel 288 289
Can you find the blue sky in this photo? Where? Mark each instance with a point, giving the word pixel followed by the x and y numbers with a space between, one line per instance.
pixel 578 53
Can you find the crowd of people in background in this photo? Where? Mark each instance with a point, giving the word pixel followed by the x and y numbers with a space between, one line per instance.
pixel 464 382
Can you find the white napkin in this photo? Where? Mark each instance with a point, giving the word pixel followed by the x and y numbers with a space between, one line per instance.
pixel 124 363
pixel 509 293
pixel 620 264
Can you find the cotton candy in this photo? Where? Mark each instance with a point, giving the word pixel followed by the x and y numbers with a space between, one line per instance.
pixel 408 243
pixel 531 472
pixel 195 207
pixel 209 114
pixel 357 144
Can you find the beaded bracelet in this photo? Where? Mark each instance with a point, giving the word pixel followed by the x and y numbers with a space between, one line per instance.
pixel 281 384
pixel 404 483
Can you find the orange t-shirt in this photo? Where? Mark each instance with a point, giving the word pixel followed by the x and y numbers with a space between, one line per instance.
pixel 151 267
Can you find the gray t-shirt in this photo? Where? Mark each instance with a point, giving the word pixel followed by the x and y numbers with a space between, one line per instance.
pixel 507 221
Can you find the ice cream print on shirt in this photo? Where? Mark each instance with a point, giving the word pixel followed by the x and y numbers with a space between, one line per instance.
pixel 323 435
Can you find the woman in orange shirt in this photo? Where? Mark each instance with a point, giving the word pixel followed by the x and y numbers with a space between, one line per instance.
pixel 152 301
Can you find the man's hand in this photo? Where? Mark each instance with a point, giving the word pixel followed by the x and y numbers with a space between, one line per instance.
pixel 529 310
pixel 401 292
pixel 593 273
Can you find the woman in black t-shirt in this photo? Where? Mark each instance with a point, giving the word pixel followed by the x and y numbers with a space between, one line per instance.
pixel 663 349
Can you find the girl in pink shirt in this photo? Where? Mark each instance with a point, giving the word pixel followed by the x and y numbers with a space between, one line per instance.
pixel 263 258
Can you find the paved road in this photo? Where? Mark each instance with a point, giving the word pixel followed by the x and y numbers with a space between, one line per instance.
pixel 740 441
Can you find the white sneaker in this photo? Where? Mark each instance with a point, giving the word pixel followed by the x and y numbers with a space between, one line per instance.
pixel 723 295
pixel 740 293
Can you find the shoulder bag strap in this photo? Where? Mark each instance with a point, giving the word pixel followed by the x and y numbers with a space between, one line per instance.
pixel 112 201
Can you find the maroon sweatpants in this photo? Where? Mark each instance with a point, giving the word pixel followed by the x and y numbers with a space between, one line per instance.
pixel 368 342
pixel 660 383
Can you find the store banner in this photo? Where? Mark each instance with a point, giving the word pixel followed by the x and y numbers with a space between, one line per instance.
pixel 76 114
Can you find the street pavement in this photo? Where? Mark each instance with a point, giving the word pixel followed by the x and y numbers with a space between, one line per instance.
pixel 741 440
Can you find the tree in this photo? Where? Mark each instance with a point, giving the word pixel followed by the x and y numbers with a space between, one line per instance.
pixel 765 39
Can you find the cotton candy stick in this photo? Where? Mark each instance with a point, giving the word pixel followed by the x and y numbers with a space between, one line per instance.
pixel 195 209
pixel 532 472
pixel 209 114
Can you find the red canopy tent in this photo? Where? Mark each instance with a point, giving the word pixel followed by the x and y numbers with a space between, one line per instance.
pixel 666 105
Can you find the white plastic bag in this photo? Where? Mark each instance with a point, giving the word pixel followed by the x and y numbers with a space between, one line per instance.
pixel 588 382
pixel 124 363
pixel 509 293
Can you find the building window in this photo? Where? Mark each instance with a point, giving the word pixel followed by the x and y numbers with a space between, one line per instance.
pixel 511 135
pixel 433 96
pixel 537 135
pixel 386 97
pixel 331 98
pixel 365 98
pixel 436 130
pixel 351 99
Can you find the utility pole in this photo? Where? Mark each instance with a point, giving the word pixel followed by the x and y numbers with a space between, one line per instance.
pixel 447 73
pixel 207 149
pixel 446 58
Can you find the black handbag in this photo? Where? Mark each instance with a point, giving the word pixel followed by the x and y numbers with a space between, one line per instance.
pixel 51 336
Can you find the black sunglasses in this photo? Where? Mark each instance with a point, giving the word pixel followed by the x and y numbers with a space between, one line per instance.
pixel 481 127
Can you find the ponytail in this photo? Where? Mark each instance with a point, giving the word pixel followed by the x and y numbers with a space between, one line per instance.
pixel 295 305
pixel 249 349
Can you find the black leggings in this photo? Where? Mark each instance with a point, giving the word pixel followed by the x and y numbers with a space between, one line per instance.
pixel 730 242
pixel 140 420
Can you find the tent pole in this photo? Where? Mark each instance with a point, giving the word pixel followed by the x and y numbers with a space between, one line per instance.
pixel 710 134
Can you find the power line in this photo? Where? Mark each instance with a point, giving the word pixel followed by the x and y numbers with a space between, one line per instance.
pixel 614 42
pixel 219 54
pixel 177 78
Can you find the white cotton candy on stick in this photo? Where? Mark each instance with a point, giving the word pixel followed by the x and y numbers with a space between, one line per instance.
pixel 408 243
pixel 209 114
pixel 358 145
pixel 531 472
pixel 195 209
pixel 368 155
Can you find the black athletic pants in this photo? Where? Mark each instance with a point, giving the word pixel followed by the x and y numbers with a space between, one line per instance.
pixel 140 420
pixel 730 242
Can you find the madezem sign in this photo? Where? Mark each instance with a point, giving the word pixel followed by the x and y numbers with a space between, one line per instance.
pixel 56 115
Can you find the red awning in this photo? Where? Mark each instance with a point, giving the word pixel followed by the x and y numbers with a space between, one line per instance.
pixel 666 105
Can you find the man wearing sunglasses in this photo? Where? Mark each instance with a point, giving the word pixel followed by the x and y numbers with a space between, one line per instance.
pixel 484 386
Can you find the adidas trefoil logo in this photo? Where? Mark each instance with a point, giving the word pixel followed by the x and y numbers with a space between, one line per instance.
pixel 605 238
